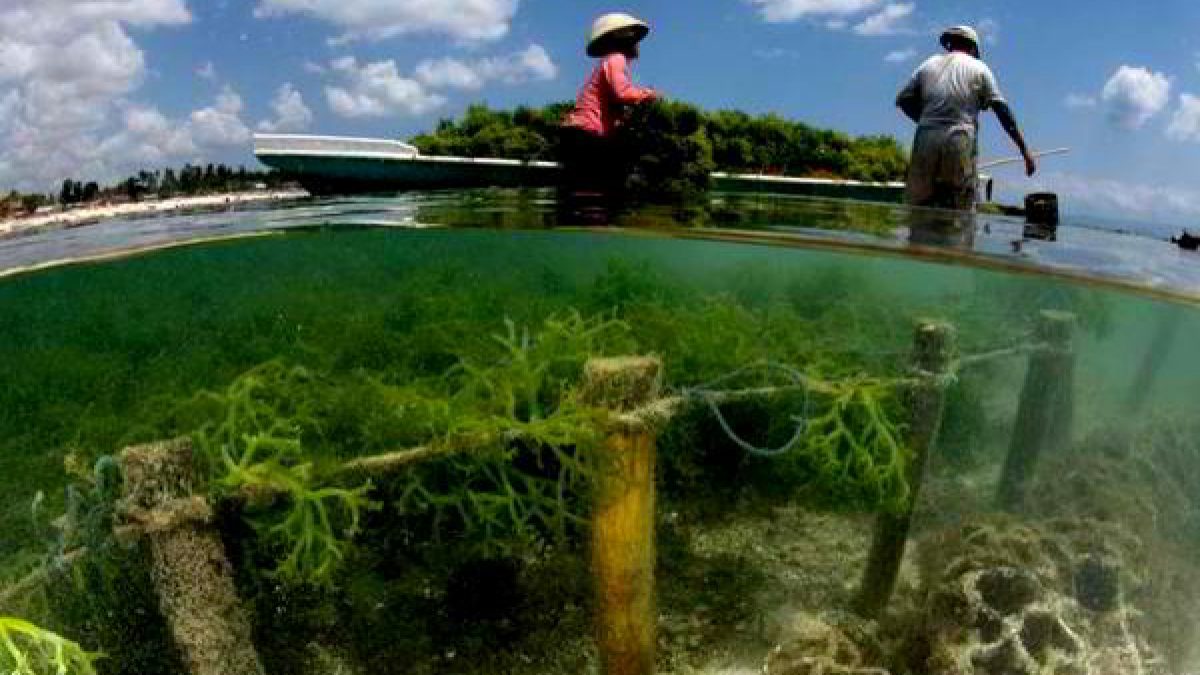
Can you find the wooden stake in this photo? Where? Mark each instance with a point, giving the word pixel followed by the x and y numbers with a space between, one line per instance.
pixel 192 576
pixel 1164 339
pixel 1045 415
pixel 933 346
pixel 623 548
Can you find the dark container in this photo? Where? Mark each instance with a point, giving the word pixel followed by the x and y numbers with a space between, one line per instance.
pixel 1187 241
pixel 1041 208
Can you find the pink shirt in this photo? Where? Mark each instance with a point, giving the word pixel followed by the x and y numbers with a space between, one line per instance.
pixel 598 105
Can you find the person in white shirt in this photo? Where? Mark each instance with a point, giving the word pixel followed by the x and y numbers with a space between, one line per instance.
pixel 944 97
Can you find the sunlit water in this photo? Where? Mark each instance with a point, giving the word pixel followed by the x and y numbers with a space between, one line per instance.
pixel 345 329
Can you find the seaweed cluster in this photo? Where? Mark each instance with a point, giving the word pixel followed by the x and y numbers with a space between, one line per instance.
pixel 254 451
pixel 26 649
pixel 528 433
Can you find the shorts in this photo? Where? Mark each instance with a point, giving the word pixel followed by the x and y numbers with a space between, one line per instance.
pixel 942 172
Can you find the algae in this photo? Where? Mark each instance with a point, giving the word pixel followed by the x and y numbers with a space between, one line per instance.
pixel 26 649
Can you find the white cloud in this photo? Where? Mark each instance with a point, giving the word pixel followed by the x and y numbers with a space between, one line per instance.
pixel 450 73
pixel 313 68
pixel 291 113
pixel 221 125
pixel 65 68
pixel 207 71
pixel 1080 101
pixel 533 63
pixel 1185 123
pixel 1134 95
pixel 466 20
pixel 888 21
pixel 901 55
pixel 1109 196
pixel 147 137
pixel 780 11
pixel 377 90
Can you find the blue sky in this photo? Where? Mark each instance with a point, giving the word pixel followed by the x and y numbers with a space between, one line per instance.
pixel 96 88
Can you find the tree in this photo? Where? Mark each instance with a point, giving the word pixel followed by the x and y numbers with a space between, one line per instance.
pixel 736 141
pixel 31 203
pixel 89 192
pixel 169 186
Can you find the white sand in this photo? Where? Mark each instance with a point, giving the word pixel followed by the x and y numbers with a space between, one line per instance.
pixel 91 214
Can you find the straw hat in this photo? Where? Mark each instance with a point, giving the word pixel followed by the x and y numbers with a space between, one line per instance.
pixel 964 32
pixel 606 27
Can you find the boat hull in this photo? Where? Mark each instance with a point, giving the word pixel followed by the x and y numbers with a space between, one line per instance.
pixel 327 165
pixel 355 175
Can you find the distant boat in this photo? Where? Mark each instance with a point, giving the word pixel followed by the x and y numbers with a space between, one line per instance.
pixel 328 165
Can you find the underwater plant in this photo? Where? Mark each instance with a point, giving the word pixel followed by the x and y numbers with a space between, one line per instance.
pixel 26 649
pixel 264 467
pixel 856 446
pixel 255 452
pixel 521 482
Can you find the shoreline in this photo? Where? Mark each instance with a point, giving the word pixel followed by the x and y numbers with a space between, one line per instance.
pixel 89 215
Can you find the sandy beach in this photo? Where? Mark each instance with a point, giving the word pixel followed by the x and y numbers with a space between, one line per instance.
pixel 91 214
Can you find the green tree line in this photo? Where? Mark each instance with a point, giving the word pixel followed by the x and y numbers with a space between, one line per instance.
pixel 729 141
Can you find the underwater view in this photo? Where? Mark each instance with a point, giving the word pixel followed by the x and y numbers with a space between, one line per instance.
pixel 498 448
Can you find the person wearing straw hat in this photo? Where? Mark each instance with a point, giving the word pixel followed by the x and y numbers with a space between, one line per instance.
pixel 589 149
pixel 944 97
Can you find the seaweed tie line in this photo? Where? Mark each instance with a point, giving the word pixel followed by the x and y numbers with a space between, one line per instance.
pixel 711 396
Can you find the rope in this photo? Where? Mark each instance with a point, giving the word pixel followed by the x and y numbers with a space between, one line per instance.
pixel 711 397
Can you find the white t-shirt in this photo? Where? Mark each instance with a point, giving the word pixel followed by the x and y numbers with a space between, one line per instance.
pixel 952 88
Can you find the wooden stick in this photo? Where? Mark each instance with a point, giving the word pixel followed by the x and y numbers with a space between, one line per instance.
pixel 1045 415
pixel 192 576
pixel 933 346
pixel 1164 339
pixel 623 548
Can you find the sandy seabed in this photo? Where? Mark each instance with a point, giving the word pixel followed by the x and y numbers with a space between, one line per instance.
pixel 92 214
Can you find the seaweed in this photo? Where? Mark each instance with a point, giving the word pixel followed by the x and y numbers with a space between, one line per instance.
pixel 856 446
pixel 309 528
pixel 26 649
pixel 522 481
pixel 254 451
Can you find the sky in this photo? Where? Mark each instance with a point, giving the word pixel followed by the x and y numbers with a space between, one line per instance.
pixel 96 89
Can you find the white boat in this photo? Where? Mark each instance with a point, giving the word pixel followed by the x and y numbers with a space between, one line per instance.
pixel 343 165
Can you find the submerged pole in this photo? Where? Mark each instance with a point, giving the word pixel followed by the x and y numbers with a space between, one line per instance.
pixel 1046 412
pixel 622 546
pixel 933 346
pixel 1156 357
pixel 192 577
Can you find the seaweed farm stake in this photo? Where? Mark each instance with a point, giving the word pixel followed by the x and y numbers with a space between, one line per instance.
pixel 1165 337
pixel 192 576
pixel 933 346
pixel 622 543
pixel 1045 416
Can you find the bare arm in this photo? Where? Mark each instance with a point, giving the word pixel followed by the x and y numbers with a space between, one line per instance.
pixel 909 100
pixel 1007 120
pixel 911 109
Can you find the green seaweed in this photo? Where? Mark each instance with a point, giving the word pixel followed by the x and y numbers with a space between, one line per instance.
pixel 856 446
pixel 522 482
pixel 26 649
pixel 255 452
